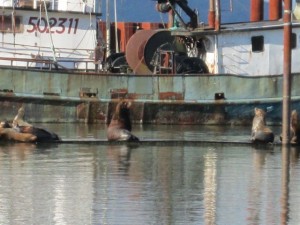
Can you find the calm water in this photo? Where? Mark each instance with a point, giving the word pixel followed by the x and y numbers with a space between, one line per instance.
pixel 153 184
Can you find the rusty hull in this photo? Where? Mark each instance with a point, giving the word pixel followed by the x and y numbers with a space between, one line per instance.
pixel 157 99
pixel 95 111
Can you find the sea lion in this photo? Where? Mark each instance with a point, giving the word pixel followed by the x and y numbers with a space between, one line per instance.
pixel 41 134
pixel 5 124
pixel 19 119
pixel 260 132
pixel 7 133
pixel 119 128
pixel 294 128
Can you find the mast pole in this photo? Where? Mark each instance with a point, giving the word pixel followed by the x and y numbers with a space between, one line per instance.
pixel 286 89
pixel 107 30
pixel 212 14
pixel 116 27
pixel 217 15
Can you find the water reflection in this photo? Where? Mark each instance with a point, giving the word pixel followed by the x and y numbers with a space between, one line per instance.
pixel 210 187
pixel 285 179
pixel 17 151
pixel 135 184
pixel 121 154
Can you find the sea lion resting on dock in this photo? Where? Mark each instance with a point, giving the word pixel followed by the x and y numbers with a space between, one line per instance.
pixel 25 132
pixel 260 132
pixel 42 135
pixel 7 133
pixel 119 128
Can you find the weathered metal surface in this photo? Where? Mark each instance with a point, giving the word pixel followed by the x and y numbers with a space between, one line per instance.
pixel 118 93
pixel 135 51
pixel 143 111
pixel 170 96
pixel 193 87
pixel 180 99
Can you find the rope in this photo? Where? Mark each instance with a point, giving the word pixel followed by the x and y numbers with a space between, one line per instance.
pixel 162 20
pixel 75 49
pixel 48 24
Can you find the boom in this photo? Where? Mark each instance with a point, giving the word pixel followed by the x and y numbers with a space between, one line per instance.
pixel 167 5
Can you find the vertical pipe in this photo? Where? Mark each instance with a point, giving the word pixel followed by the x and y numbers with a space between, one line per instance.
pixel 286 89
pixel 218 15
pixel 107 29
pixel 171 17
pixel 257 9
pixel 211 14
pixel 116 27
pixel 275 9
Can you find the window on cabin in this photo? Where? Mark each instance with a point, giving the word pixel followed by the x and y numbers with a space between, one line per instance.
pixel 257 43
pixel 9 24
pixel 294 41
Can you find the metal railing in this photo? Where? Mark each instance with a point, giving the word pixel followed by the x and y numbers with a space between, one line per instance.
pixel 48 64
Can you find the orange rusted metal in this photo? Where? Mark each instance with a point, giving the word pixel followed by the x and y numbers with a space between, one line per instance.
pixel 170 96
pixel 287 76
pixel 126 31
pixel 141 48
pixel 135 51
pixel 211 14
pixel 102 28
pixel 150 26
pixel 257 9
pixel 211 19
pixel 118 93
pixel 275 9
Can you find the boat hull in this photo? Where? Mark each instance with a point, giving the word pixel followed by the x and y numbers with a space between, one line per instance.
pixel 56 96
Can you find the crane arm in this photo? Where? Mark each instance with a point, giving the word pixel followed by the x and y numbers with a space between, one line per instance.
pixel 166 5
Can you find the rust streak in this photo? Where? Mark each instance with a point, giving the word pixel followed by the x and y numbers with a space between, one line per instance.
pixel 170 96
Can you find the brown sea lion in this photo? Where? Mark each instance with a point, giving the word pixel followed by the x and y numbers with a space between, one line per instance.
pixel 119 128
pixel 260 132
pixel 294 128
pixel 41 134
pixel 7 133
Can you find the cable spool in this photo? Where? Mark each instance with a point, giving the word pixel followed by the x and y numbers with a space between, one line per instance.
pixel 142 47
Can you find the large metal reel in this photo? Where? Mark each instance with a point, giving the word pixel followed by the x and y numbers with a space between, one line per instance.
pixel 142 47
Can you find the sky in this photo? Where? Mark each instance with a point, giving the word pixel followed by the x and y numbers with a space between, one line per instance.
pixel 144 10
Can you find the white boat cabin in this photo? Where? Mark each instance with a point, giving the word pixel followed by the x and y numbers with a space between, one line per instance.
pixel 54 32
pixel 247 49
